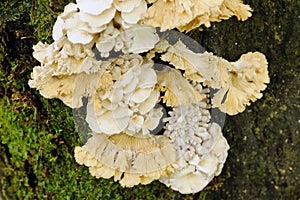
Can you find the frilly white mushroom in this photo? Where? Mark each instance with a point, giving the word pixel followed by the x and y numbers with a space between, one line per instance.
pixel 201 148
pixel 130 160
pixel 248 77
pixel 133 16
pixel 82 22
pixel 227 9
pixel 41 52
pixel 135 39
pixel 234 7
pixel 127 6
pixel 123 91
pixel 70 24
pixel 68 71
pixel 100 20
pixel 109 40
pixel 197 66
pixel 69 88
pixel 187 127
pixel 203 68
pixel 176 13
pixel 127 105
pixel 194 178
pixel 193 13
pixel 65 58
pixel 124 33
pixel 94 7
pixel 178 91
pixel 237 82
pixel 143 38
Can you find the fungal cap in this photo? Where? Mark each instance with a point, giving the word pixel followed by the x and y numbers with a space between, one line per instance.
pixel 178 90
pixel 248 77
pixel 130 160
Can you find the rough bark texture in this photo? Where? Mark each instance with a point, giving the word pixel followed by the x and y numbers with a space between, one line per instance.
pixel 263 162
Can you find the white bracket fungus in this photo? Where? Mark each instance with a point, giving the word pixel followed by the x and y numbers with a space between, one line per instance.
pixel 63 67
pixel 237 82
pixel 123 92
pixel 178 91
pixel 247 78
pixel 200 146
pixel 112 24
pixel 127 105
pixel 190 14
pixel 130 160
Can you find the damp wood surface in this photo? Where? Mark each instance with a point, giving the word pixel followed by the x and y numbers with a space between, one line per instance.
pixel 38 136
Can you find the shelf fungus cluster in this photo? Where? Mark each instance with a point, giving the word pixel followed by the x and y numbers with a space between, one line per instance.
pixel 190 14
pixel 147 100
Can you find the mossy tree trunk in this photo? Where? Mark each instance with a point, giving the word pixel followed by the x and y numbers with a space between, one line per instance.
pixel 263 162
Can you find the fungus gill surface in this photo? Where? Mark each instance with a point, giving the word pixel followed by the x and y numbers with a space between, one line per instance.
pixel 190 14
pixel 130 160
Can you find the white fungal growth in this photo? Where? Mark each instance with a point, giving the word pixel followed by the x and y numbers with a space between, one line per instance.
pixel 247 78
pixel 186 15
pixel 68 71
pixel 187 127
pixel 201 149
pixel 111 24
pixel 127 105
pixel 123 92
pixel 130 160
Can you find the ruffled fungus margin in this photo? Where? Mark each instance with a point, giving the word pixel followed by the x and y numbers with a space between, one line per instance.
pixel 123 92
